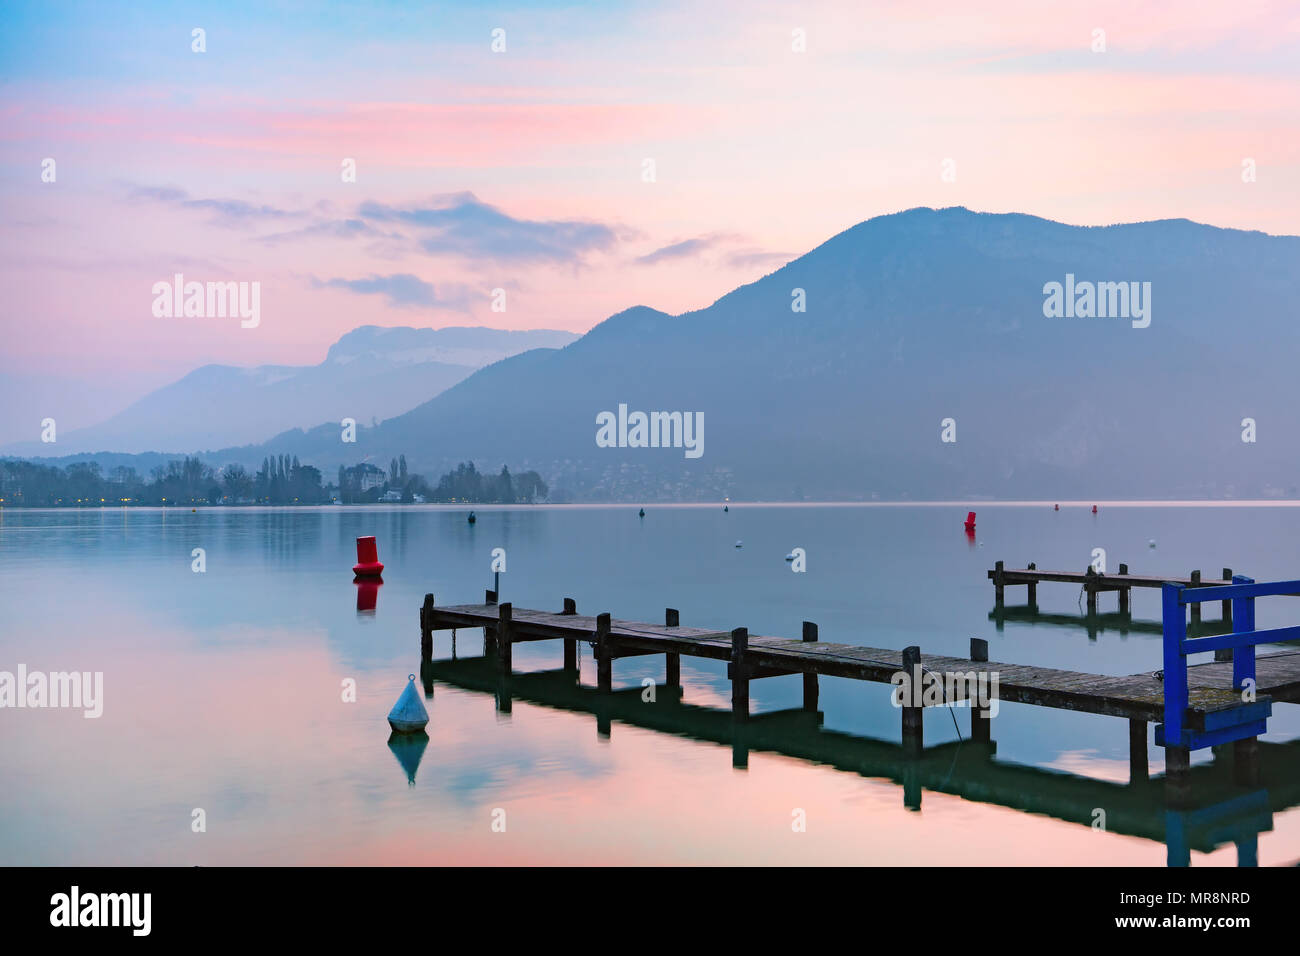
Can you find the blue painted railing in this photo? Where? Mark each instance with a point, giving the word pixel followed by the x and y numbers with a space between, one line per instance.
pixel 1236 723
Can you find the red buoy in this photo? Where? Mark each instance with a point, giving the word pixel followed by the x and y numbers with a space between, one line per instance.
pixel 1056 507
pixel 970 521
pixel 1094 509
pixel 367 565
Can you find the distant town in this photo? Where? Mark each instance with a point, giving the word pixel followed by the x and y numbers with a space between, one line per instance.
pixel 282 480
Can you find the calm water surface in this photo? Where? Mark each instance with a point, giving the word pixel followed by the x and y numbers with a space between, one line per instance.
pixel 223 690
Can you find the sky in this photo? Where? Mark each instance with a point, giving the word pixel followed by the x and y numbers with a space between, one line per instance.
pixel 602 156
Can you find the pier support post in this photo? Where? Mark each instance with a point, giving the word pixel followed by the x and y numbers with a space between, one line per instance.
pixel 1178 765
pixel 739 673
pixel 489 633
pixel 979 723
pixel 426 628
pixel 504 651
pixel 1225 653
pixel 604 676
pixel 1196 608
pixel 570 643
pixel 604 661
pixel 1138 770
pixel 1090 588
pixel 673 665
pixel 1032 588
pixel 998 592
pixel 1124 592
pixel 810 690
pixel 913 725
pixel 1245 762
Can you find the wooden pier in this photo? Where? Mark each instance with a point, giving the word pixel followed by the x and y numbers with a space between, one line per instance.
pixel 1093 583
pixel 1212 699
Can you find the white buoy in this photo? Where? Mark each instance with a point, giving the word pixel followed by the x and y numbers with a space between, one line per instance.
pixel 738 544
pixel 1151 543
pixel 408 715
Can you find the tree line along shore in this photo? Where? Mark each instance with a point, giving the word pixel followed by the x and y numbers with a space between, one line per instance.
pixel 281 480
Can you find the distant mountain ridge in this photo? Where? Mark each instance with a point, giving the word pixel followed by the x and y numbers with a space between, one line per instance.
pixel 911 319
pixel 455 345
pixel 370 373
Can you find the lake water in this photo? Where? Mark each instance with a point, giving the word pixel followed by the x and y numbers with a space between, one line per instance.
pixel 223 690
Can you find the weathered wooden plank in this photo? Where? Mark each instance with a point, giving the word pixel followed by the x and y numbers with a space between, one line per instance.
pixel 1108 582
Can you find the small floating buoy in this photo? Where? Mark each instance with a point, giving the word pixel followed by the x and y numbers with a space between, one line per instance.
pixel 1151 543
pixel 739 544
pixel 194 510
pixel 642 514
pixel 1094 509
pixel 1056 507
pixel 368 565
pixel 970 521
pixel 408 715
pixel 472 519
pixel 726 507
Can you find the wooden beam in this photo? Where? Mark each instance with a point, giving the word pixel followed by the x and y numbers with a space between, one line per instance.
pixel 673 660
pixel 913 724
pixel 1196 608
pixel 810 690
pixel 980 731
pixel 1225 653
pixel 1138 769
pixel 504 637
pixel 604 663
pixel 740 673
pixel 570 643
pixel 426 628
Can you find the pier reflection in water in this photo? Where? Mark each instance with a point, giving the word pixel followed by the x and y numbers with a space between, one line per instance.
pixel 1222 811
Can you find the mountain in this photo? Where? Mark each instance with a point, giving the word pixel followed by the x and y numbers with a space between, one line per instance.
pixel 369 373
pixel 913 318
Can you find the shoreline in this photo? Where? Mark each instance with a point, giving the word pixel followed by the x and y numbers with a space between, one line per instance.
pixel 734 505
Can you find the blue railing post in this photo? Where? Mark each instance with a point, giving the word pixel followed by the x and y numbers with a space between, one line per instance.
pixel 1175 632
pixel 1243 622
